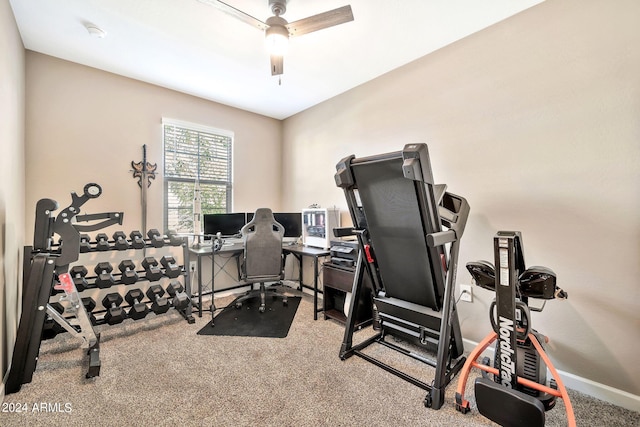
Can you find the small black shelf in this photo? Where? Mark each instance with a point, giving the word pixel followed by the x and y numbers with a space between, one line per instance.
pixel 337 281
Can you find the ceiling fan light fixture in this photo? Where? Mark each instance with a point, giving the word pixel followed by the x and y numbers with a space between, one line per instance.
pixel 277 30
pixel 277 39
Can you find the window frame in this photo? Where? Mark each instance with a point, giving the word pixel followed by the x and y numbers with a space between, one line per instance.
pixel 204 129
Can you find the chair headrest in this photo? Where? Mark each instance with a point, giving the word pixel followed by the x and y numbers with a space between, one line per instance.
pixel 263 214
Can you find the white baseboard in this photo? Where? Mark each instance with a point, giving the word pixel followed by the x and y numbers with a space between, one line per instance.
pixel 601 391
pixel 584 385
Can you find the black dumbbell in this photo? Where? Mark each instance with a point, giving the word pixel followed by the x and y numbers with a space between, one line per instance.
pixel 151 268
pixel 128 270
pixel 57 306
pixel 157 239
pixel 120 241
pixel 159 305
pixel 174 239
pixel 180 298
pixel 51 327
pixel 115 314
pixel 137 240
pixel 79 272
pixel 89 305
pixel 138 308
pixel 102 242
pixel 171 269
pixel 105 279
pixel 85 246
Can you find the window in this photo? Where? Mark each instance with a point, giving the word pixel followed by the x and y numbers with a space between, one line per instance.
pixel 195 153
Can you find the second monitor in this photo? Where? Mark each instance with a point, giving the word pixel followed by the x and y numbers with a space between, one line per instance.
pixel 230 224
pixel 227 224
pixel 291 221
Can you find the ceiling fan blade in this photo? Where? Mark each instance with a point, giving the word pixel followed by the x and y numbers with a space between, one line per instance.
pixel 237 13
pixel 320 21
pixel 277 62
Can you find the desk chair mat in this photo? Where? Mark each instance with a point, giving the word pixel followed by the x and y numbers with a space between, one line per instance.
pixel 247 321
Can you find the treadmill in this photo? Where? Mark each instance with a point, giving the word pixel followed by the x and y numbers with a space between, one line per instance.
pixel 408 231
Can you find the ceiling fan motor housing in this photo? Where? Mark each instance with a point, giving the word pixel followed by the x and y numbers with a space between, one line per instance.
pixel 277 22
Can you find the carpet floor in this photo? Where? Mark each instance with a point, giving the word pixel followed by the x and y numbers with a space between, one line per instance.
pixel 159 372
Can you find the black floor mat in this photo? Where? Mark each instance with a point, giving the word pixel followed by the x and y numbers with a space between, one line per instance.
pixel 249 322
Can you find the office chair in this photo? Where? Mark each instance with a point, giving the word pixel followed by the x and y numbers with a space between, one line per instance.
pixel 263 260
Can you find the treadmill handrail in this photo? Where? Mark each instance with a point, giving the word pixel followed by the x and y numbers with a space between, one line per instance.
pixel 441 238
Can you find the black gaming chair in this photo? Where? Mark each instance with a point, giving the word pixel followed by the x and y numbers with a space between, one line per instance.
pixel 263 260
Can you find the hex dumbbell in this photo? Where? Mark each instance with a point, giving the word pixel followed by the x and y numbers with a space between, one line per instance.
pixel 128 270
pixel 171 269
pixel 79 272
pixel 157 239
pixel 51 328
pixel 159 305
pixel 180 298
pixel 138 309
pixel 89 305
pixel 115 314
pixel 151 268
pixel 120 241
pixel 137 240
pixel 85 246
pixel 105 279
pixel 174 239
pixel 102 242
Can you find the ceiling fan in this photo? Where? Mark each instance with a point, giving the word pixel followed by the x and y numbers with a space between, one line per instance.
pixel 277 30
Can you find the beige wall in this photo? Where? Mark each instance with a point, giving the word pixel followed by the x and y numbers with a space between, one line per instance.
pixel 535 122
pixel 86 125
pixel 12 87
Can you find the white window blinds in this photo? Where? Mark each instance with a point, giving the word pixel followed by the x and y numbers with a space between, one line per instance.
pixel 195 153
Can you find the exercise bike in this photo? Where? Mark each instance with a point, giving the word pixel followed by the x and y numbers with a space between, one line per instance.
pixel 514 391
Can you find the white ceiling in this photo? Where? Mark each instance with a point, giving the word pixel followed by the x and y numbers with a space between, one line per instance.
pixel 195 48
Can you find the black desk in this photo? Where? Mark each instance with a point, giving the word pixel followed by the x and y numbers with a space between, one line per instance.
pixel 234 250
pixel 300 251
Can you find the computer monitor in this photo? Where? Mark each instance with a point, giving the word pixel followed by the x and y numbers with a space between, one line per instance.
pixel 291 221
pixel 227 224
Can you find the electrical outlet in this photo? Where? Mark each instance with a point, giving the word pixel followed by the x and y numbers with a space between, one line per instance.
pixel 466 293
pixel 193 265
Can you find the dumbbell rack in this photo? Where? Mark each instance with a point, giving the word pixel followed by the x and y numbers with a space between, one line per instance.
pixel 155 240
